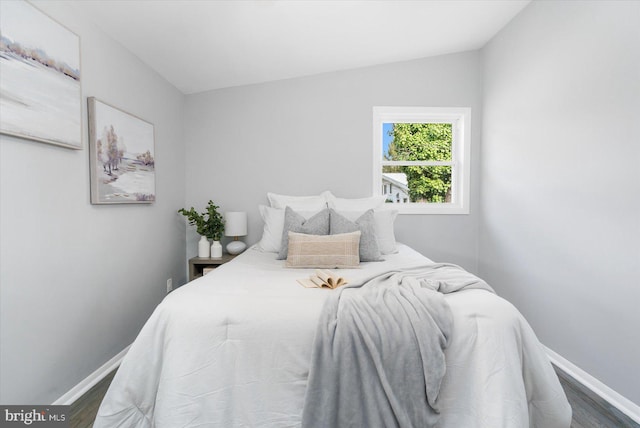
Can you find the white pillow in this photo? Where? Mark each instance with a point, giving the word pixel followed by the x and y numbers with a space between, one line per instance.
pixel 361 204
pixel 384 220
pixel 273 219
pixel 299 203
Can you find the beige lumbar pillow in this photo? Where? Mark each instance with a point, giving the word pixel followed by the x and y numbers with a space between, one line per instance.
pixel 324 251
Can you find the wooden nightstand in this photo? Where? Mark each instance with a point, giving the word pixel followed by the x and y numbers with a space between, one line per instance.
pixel 198 264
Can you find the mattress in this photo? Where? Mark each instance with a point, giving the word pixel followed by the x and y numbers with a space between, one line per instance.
pixel 233 349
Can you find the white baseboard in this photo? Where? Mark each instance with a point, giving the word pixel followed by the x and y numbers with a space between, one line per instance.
pixel 621 403
pixel 90 381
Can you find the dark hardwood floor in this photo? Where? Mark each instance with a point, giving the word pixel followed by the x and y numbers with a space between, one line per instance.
pixel 589 410
pixel 83 410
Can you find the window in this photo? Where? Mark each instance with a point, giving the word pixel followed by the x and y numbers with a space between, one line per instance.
pixel 421 158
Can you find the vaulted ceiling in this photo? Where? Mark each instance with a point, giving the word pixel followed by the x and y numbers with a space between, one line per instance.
pixel 200 45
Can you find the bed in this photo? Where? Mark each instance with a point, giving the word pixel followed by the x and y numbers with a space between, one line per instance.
pixel 234 349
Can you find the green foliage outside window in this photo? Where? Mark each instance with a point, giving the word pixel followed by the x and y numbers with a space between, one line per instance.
pixel 422 142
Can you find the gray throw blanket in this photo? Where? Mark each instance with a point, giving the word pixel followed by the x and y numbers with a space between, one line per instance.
pixel 378 357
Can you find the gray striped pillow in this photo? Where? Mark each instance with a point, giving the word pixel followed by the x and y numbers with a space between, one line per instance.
pixel 324 251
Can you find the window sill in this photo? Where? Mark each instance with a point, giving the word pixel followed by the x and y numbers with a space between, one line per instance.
pixel 429 209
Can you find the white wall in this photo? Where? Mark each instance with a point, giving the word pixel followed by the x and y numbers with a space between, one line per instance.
pixel 306 135
pixel 560 224
pixel 77 281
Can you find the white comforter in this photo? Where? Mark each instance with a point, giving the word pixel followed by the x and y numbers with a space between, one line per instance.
pixel 232 349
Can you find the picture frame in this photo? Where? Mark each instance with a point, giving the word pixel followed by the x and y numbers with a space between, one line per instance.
pixel 121 156
pixel 40 89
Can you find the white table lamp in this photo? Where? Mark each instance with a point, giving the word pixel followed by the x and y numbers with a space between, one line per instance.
pixel 235 225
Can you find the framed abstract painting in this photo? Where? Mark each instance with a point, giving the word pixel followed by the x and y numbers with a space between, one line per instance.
pixel 40 89
pixel 121 156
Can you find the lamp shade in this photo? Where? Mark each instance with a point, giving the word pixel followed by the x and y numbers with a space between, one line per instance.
pixel 235 223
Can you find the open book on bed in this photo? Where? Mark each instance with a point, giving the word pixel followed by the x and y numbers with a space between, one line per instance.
pixel 322 278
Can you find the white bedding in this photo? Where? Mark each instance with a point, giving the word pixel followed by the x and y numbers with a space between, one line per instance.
pixel 232 349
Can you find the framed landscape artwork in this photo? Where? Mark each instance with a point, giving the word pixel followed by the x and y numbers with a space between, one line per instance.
pixel 40 90
pixel 121 153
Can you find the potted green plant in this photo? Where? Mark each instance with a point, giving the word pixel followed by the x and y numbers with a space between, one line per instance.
pixel 209 225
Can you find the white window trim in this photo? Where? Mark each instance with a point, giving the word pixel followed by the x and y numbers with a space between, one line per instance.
pixel 460 118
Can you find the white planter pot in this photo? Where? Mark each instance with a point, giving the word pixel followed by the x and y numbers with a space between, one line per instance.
pixel 216 249
pixel 203 247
